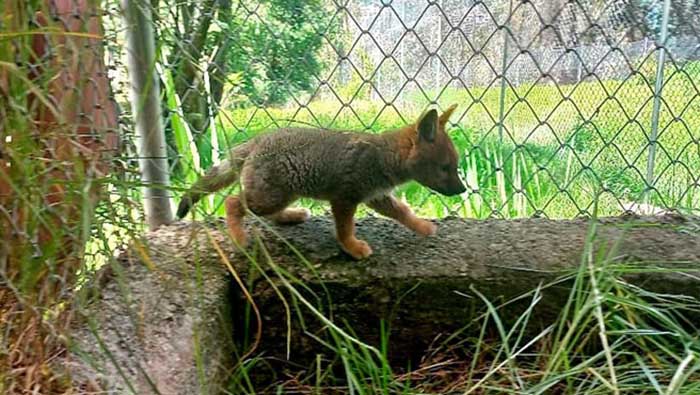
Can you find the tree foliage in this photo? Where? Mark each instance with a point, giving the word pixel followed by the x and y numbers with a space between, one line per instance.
pixel 276 47
pixel 271 46
pixel 227 52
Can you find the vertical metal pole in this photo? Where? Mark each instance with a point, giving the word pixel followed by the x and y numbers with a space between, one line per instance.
pixel 579 65
pixel 437 44
pixel 504 64
pixel 658 86
pixel 403 20
pixel 646 45
pixel 402 52
pixel 145 101
pixel 378 90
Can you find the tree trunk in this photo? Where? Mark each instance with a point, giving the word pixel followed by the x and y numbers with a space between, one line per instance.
pixel 58 132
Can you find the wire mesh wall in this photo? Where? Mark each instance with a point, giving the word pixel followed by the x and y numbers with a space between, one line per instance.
pixel 58 138
pixel 561 103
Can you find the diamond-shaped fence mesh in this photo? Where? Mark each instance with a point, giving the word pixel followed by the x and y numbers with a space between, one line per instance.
pixel 561 104
pixel 564 107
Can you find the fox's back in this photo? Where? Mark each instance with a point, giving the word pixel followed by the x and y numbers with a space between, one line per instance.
pixel 319 163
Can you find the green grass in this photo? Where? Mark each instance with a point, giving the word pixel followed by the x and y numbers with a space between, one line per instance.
pixel 610 337
pixel 560 147
pixel 561 152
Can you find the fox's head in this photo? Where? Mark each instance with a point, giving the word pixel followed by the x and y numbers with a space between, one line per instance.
pixel 433 159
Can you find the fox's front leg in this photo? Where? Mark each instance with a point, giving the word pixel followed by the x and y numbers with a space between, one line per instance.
pixel 344 213
pixel 393 208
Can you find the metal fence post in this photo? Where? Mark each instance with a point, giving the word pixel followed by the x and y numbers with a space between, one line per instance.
pixel 658 86
pixel 145 101
pixel 504 64
pixel 437 45
pixel 402 52
pixel 579 65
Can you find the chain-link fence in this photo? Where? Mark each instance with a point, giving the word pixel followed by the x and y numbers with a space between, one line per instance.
pixel 563 106
pixel 58 137
pixel 561 103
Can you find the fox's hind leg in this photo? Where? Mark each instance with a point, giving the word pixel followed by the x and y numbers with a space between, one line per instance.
pixel 265 202
pixel 291 216
pixel 235 211
pixel 393 208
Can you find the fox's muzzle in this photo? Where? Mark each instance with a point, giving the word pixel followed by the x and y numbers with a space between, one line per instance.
pixel 454 188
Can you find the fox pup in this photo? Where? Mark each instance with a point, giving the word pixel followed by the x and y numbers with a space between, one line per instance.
pixel 345 168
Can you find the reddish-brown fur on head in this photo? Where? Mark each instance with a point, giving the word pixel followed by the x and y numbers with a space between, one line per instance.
pixel 433 159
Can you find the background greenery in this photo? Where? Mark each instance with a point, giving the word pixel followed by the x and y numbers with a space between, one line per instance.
pixel 594 144
pixel 233 69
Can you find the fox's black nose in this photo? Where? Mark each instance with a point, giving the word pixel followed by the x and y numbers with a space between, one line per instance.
pixel 458 191
pixel 454 190
pixel 457 187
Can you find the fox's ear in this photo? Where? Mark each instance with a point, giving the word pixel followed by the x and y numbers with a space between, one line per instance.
pixel 446 115
pixel 427 125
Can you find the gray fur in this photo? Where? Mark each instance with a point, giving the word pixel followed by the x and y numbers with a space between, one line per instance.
pixel 311 162
pixel 346 168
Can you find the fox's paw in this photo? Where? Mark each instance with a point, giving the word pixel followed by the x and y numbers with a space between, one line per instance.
pixel 299 214
pixel 424 227
pixel 239 236
pixel 358 249
pixel 291 216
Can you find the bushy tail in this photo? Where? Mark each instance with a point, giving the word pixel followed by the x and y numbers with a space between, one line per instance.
pixel 218 177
